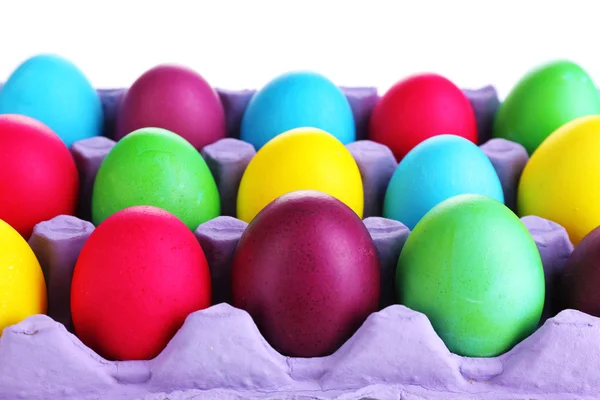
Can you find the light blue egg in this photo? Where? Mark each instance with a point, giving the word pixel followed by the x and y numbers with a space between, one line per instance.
pixel 437 169
pixel 52 90
pixel 295 100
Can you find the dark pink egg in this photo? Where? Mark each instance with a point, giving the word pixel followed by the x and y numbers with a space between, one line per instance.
pixel 306 270
pixel 174 98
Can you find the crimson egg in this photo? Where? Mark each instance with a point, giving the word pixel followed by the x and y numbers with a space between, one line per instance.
pixel 307 271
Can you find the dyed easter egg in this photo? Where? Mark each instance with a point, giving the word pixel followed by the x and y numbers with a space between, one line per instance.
pixel 137 278
pixel 54 91
pixel 543 100
pixel 472 267
pixel 435 170
pixel 38 176
pixel 561 181
pixel 419 107
pixel 306 270
pixel 578 285
pixel 174 98
pixel 22 284
pixel 300 159
pixel 295 100
pixel 156 167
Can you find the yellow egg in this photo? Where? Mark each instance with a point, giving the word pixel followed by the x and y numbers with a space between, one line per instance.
pixel 561 181
pixel 22 285
pixel 300 159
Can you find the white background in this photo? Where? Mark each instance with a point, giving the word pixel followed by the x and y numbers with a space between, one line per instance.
pixel 244 44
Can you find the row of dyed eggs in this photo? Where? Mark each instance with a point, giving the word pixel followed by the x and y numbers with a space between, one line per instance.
pixel 142 272
pixel 557 184
pixel 180 100
pixel 156 167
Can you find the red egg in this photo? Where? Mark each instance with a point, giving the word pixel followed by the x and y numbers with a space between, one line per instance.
pixel 418 108
pixel 38 176
pixel 307 271
pixel 139 275
pixel 173 98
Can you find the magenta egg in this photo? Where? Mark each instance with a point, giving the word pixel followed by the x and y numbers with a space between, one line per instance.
pixel 306 269
pixel 175 98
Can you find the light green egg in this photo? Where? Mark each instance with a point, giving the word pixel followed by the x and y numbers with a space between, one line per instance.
pixel 543 100
pixel 473 268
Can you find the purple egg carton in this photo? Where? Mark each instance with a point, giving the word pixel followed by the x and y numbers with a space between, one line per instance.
pixel 219 352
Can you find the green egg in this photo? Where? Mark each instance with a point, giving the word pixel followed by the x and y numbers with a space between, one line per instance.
pixel 472 267
pixel 543 100
pixel 156 167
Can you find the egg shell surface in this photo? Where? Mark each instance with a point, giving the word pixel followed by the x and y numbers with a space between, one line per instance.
pixel 139 275
pixel 543 100
pixel 472 267
pixel 22 284
pixel 420 107
pixel 294 100
pixel 307 271
pixel 561 181
pixel 300 159
pixel 435 170
pixel 38 176
pixel 54 91
pixel 175 98
pixel 581 277
pixel 156 167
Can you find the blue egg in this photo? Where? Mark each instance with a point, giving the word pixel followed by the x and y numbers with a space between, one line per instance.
pixel 296 100
pixel 54 91
pixel 437 169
